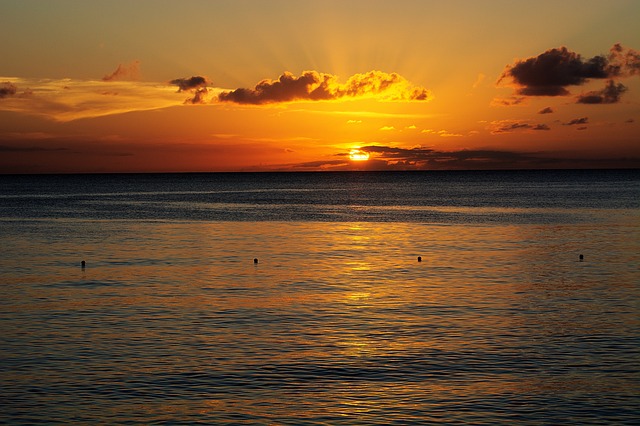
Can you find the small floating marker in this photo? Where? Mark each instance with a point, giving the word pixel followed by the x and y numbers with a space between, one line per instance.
pixel 419 258
pixel 83 264
pixel 255 260
pixel 581 258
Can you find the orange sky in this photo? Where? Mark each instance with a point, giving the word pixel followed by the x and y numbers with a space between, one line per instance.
pixel 157 86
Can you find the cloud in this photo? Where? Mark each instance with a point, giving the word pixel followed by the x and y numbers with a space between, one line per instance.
pixel 387 128
pixel 609 95
pixel 623 62
pixel 548 73
pixel 187 84
pixel 69 99
pixel 575 121
pixel 547 110
pixel 124 72
pixel 7 89
pixel 197 85
pixel 447 134
pixel 541 127
pixel 509 126
pixel 199 97
pixel 402 156
pixel 511 100
pixel 551 72
pixel 315 86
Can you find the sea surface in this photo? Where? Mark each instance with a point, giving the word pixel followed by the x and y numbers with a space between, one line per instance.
pixel 338 323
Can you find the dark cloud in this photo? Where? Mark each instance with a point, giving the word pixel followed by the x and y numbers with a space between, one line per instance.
pixel 315 86
pixel 421 158
pixel 513 126
pixel 623 62
pixel 196 85
pixel 541 127
pixel 393 158
pixel 575 121
pixel 543 91
pixel 512 100
pixel 609 95
pixel 548 73
pixel 7 89
pixel 124 72
pixel 187 84
pixel 310 85
pixel 198 97
pixel 631 120
pixel 508 126
pixel 428 159
pixel 547 110
pixel 551 72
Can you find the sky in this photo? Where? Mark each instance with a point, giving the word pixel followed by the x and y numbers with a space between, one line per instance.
pixel 288 85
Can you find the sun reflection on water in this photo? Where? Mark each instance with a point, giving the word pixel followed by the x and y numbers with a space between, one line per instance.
pixel 336 322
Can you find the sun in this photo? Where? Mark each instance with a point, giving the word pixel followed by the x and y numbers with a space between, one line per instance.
pixel 357 154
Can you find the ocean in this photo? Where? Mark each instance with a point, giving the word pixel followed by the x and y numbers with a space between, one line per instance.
pixel 336 321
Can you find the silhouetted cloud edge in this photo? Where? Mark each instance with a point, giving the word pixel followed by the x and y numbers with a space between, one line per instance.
pixel 316 86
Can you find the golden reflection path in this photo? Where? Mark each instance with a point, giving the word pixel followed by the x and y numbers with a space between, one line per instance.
pixel 336 318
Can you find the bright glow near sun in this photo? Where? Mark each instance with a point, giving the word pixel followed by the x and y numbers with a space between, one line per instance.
pixel 358 155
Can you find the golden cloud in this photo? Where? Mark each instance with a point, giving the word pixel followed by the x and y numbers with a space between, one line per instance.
pixel 315 86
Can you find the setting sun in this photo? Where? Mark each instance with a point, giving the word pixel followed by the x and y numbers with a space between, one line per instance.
pixel 358 155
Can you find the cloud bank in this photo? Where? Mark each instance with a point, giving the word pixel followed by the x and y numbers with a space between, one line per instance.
pixel 315 86
pixel 430 159
pixel 423 158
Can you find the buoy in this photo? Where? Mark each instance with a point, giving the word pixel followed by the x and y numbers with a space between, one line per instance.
pixel 581 258
pixel 419 258
pixel 255 260
pixel 83 264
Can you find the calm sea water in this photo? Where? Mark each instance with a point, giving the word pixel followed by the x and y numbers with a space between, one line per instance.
pixel 171 322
